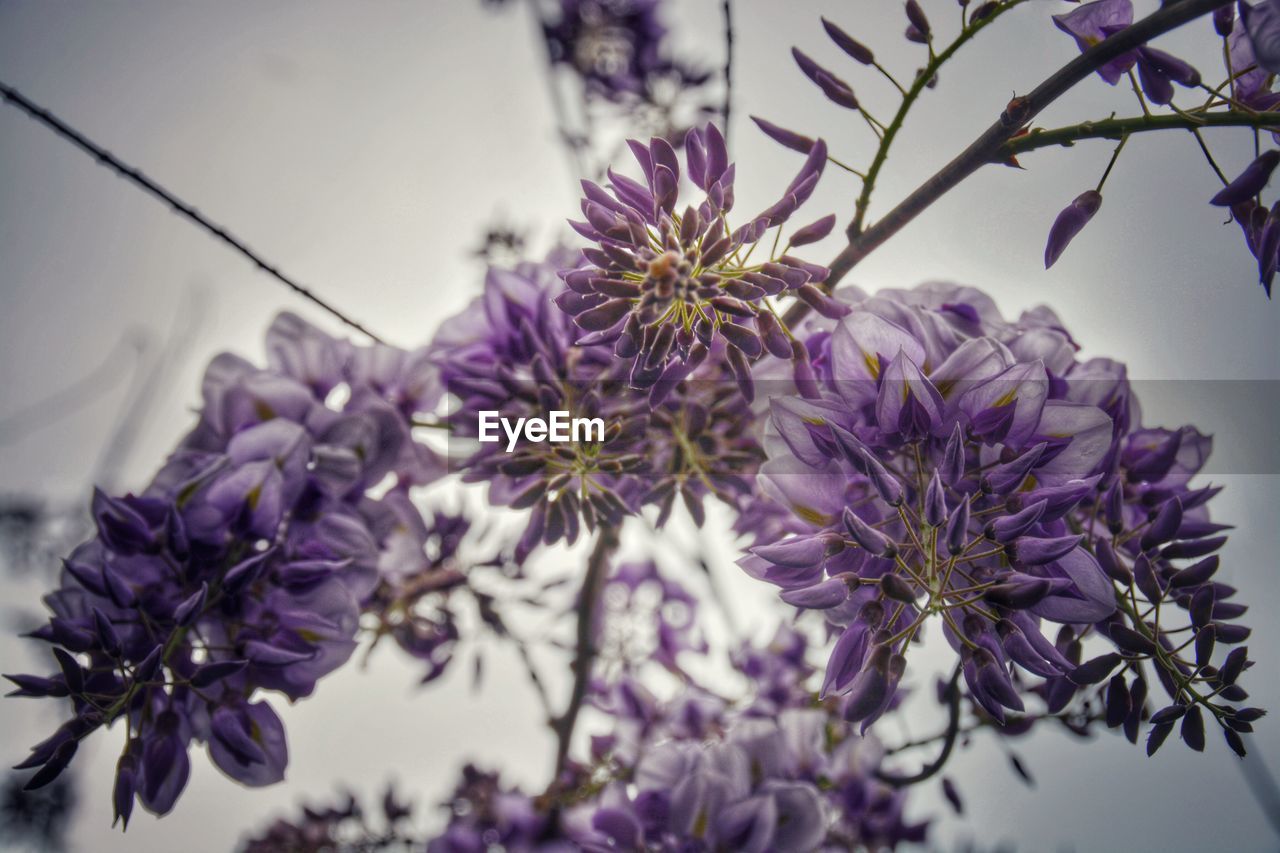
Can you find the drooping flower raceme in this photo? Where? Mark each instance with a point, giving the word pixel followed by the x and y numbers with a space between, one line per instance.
pixel 970 472
pixel 242 567
pixel 663 283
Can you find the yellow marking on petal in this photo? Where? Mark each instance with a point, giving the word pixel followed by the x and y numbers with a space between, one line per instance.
pixel 816 421
pixel 873 363
pixel 263 411
pixel 810 515
pixel 1006 399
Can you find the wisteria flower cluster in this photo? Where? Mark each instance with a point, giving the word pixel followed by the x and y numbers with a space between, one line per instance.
pixel 513 351
pixel 969 472
pixel 663 285
pixel 241 568
pixel 1250 63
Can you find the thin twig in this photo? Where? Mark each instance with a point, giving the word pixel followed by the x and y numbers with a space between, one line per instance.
pixel 948 741
pixel 73 397
pixel 585 652
pixel 139 403
pixel 728 67
pixel 1015 116
pixel 1262 785
pixel 133 175
pixel 1115 128
pixel 909 97
pixel 568 138
pixel 535 680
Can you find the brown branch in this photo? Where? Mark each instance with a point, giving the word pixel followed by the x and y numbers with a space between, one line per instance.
pixel 948 741
pixel 1116 128
pixel 136 177
pixel 1017 114
pixel 727 111
pixel 585 652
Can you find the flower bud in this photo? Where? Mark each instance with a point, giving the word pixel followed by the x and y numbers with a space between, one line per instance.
pixel 953 457
pixel 870 687
pixel 814 231
pixel 886 485
pixel 868 538
pixel 1224 19
pixel 821 596
pixel 958 529
pixel 122 794
pixel 1093 671
pixel 1019 591
pixel 1196 574
pixel 919 28
pixel 1006 528
pixel 1164 526
pixel 797 553
pixel 1192 730
pixel 1069 223
pixel 856 49
pixel 784 137
pixel 1035 551
pixel 935 502
pixel 897 588
pixel 1250 182
pixel 1005 478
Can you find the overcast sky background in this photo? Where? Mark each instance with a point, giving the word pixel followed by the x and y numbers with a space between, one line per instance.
pixel 365 147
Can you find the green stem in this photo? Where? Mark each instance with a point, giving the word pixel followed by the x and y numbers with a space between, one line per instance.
pixel 1117 128
pixel 909 98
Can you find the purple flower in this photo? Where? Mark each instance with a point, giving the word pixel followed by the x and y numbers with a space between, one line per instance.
pixel 1158 71
pixel 612 44
pixel 514 352
pixel 243 566
pixel 665 284
pixel 956 464
pixel 1262 25
pixel 1070 222
pixel 1093 22
pixel 1250 182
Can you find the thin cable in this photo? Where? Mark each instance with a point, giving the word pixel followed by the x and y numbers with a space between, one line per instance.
pixel 132 174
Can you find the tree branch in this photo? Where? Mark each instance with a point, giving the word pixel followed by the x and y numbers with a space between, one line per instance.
pixel 1114 128
pixel 1016 115
pixel 585 653
pixel 909 98
pixel 948 741
pixel 727 6
pixel 134 176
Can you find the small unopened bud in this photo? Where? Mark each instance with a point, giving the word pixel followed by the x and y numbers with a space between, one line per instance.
pixel 1006 528
pixel 1034 551
pixel 1070 222
pixel 958 529
pixel 856 49
pixel 1250 182
pixel 895 587
pixel 935 502
pixel 868 538
pixel 821 596
pixel 1164 526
